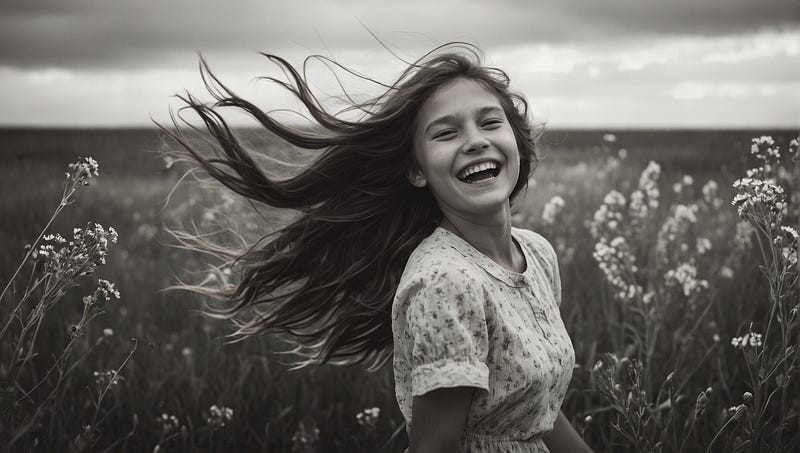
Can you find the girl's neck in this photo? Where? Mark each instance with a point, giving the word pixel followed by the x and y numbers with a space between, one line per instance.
pixel 493 239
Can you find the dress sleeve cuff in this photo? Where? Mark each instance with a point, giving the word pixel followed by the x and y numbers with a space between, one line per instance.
pixel 449 373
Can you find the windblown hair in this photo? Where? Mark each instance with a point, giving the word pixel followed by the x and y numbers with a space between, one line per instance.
pixel 329 277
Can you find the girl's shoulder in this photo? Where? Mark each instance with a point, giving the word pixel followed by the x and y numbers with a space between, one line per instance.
pixel 435 255
pixel 436 271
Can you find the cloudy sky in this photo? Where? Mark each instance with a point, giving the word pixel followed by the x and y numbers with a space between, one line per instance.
pixel 581 63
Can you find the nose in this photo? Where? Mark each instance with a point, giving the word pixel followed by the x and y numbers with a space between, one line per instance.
pixel 475 141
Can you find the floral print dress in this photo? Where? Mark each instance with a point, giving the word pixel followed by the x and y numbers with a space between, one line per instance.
pixel 460 319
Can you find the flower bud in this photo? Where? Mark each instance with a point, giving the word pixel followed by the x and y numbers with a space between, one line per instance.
pixel 748 397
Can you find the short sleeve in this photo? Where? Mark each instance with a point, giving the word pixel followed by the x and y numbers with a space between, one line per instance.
pixel 446 322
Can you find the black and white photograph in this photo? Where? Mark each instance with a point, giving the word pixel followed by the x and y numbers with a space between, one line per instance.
pixel 413 227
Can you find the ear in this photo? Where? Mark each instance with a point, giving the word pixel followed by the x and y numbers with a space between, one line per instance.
pixel 415 177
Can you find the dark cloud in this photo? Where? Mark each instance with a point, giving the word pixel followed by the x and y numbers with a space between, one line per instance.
pixel 154 33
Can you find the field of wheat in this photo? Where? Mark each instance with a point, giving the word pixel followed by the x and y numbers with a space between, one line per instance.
pixel 678 257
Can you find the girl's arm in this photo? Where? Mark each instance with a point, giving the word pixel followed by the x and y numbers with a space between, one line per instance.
pixel 437 419
pixel 564 439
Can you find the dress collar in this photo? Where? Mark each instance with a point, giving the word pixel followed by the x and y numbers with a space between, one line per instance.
pixel 510 278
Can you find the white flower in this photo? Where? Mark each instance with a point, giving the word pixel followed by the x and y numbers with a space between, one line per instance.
pixel 710 191
pixel 748 340
pixel 218 416
pixel 759 200
pixel 614 198
pixel 368 417
pixel 703 245
pixel 685 276
pixel 551 209
pixel 167 424
pixel 791 232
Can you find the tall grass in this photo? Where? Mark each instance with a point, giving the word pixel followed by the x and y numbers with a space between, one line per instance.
pixel 656 367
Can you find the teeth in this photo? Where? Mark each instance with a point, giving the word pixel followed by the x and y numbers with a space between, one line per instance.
pixel 476 168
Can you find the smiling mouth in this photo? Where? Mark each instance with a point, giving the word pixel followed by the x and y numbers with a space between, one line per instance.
pixel 479 173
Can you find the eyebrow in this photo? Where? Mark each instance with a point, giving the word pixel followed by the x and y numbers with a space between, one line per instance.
pixel 452 118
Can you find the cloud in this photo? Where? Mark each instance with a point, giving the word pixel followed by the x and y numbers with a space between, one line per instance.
pixel 149 33
pixel 579 63
pixel 705 89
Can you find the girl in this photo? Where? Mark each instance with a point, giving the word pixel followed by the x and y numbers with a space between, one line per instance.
pixel 404 248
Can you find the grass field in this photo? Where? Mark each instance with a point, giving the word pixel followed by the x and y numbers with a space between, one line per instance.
pixel 182 366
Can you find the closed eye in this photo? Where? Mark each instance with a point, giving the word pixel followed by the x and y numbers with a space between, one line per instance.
pixel 446 134
pixel 492 123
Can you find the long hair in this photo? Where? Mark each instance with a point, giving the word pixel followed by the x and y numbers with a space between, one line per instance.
pixel 329 277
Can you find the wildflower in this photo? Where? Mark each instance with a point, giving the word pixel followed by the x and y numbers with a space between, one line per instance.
pixel 597 366
pixel 81 171
pixel 218 416
pixel 791 232
pixel 108 332
pixel 747 397
pixel 80 256
pixel 748 340
pixel 638 207
pixel 703 245
pixel 623 153
pixel 608 215
pixel 686 213
pixel 609 138
pixel 726 272
pixel 616 261
pixel 551 210
pixel 103 379
pixel 687 180
pixel 187 352
pixel 759 201
pixel 107 289
pixel 104 292
pixel 677 226
pixel 677 187
pixel 765 150
pixel 167 424
pixel 587 419
pixel 648 183
pixel 709 191
pixel 307 434
pixel 368 417
pixel 685 276
pixel 737 411
pixel 614 198
pixel 789 255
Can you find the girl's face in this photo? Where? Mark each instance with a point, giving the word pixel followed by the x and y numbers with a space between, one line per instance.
pixel 466 151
